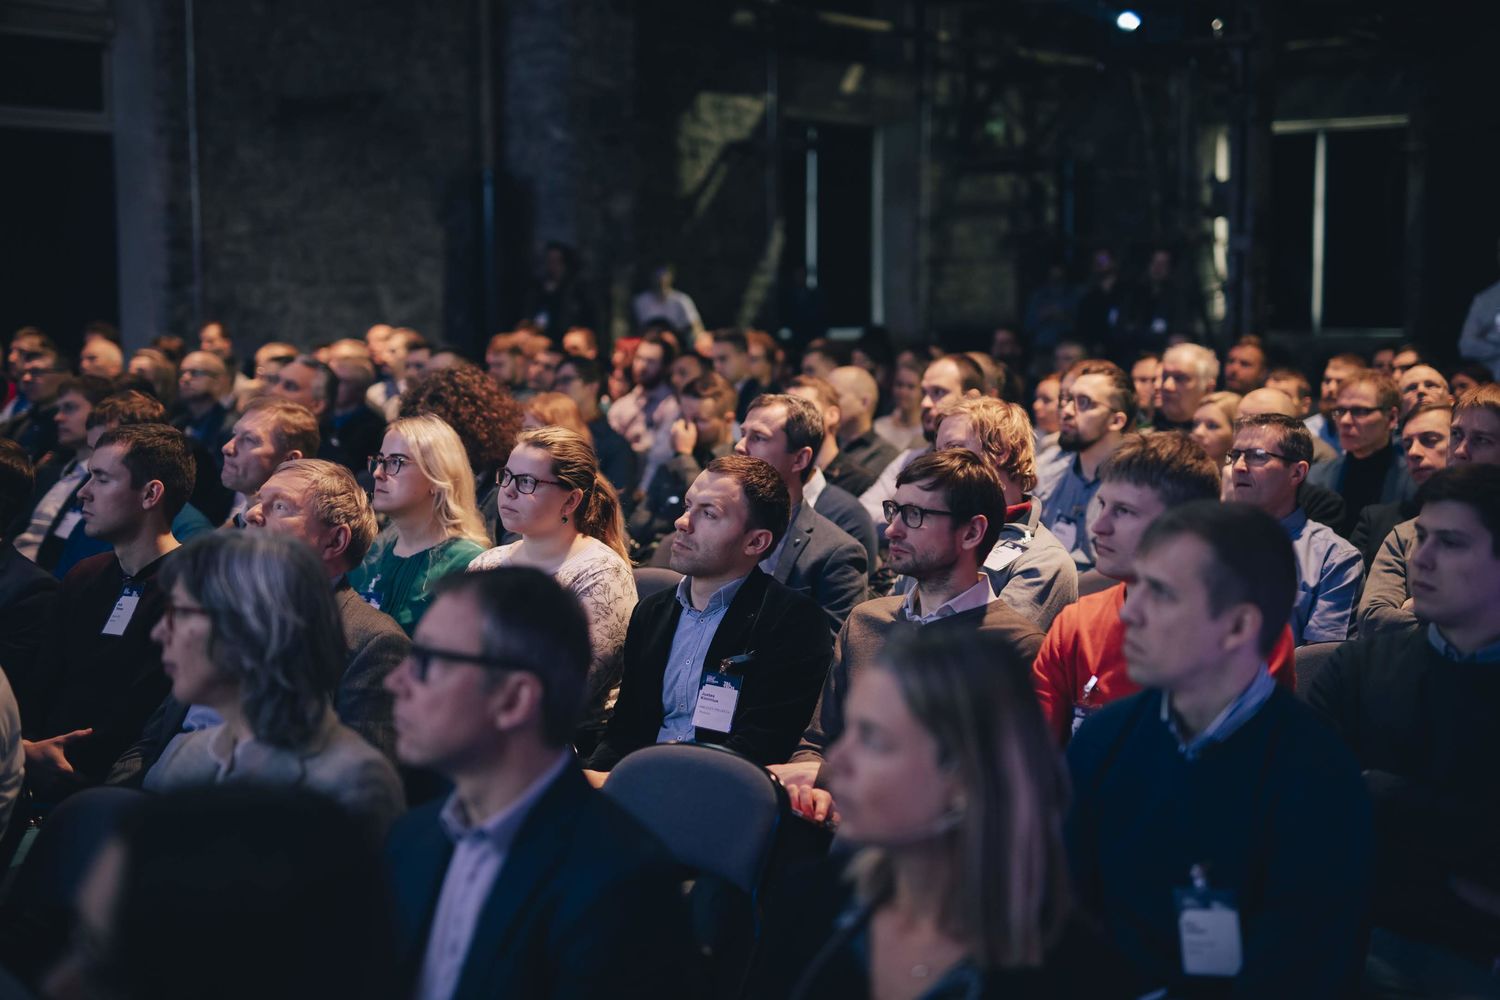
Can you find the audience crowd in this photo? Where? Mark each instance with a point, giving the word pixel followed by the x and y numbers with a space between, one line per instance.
pixel 1108 667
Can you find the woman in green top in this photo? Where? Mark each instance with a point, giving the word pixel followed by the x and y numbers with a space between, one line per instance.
pixel 424 484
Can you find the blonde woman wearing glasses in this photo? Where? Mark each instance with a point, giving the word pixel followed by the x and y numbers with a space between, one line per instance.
pixel 425 486
pixel 553 495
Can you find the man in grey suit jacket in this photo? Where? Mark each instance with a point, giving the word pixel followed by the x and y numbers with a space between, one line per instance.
pixel 815 557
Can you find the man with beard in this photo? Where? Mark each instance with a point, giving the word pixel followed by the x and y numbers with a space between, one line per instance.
pixel 1096 408
pixel 644 415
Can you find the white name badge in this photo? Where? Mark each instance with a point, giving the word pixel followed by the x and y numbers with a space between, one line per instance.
pixel 1208 926
pixel 1066 532
pixel 124 610
pixel 717 699
pixel 68 522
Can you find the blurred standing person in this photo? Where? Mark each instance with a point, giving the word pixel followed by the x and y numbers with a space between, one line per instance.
pixel 559 299
pixel 664 301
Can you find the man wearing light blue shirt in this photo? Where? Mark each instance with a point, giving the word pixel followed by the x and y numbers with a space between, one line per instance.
pixel 1269 460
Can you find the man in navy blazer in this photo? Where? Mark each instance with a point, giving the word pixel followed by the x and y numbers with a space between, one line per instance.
pixel 525 882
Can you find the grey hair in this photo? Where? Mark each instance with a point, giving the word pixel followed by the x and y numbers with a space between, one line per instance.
pixel 1202 359
pixel 276 630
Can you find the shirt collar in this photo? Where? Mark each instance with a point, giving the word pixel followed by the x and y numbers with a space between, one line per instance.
pixel 1484 654
pixel 978 596
pixel 717 602
pixel 813 488
pixel 1238 712
pixel 500 829
pixel 1294 522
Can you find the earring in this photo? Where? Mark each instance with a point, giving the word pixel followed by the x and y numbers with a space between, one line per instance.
pixel 565 519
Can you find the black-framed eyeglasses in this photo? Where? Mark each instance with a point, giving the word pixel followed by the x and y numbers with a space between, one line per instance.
pixel 911 515
pixel 1254 457
pixel 1357 412
pixel 199 372
pixel 525 483
pixel 1081 403
pixel 170 612
pixel 422 656
pixel 391 464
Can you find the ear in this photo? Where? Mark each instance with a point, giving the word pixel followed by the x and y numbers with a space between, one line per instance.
pixel 152 494
pixel 973 531
pixel 292 456
pixel 972 394
pixel 573 502
pixel 1299 472
pixel 758 543
pixel 1244 628
pixel 1117 421
pixel 337 543
pixel 802 460
pixel 515 701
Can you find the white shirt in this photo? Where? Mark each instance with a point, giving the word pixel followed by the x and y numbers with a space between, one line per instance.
pixel 677 308
pixel 978 596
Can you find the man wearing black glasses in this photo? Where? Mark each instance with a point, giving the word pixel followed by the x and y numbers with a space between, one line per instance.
pixel 940 526
pixel 1269 460
pixel 1372 468
pixel 524 882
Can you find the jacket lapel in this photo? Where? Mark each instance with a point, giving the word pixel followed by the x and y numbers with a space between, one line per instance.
pixel 738 627
pixel 797 536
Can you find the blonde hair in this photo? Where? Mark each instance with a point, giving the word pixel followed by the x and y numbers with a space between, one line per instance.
pixel 577 467
pixel 553 409
pixel 1228 403
pixel 1004 432
pixel 438 453
pixel 335 498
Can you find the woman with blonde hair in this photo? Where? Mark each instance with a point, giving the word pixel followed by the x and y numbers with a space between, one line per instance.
pixel 902 427
pixel 553 495
pixel 553 409
pixel 425 486
pixel 1213 423
pixel 946 779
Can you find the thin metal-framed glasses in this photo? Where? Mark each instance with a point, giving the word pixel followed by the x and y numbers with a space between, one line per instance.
pixel 911 515
pixel 524 483
pixel 1357 412
pixel 1254 457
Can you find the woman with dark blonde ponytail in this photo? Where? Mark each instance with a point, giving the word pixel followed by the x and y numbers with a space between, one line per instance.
pixel 568 516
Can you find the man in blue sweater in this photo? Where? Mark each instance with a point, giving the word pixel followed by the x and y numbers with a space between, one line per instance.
pixel 1220 834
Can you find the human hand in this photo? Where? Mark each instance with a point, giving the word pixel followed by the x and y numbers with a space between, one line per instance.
pixel 595 778
pixel 49 756
pixel 684 436
pixel 801 772
pixel 811 803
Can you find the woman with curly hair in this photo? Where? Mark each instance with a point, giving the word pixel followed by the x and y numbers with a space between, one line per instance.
pixel 424 484
pixel 486 419
pixel 251 633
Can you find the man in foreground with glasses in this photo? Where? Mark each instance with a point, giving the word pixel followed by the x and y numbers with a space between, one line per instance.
pixel 1081 665
pixel 940 529
pixel 502 888
pixel 1269 460
pixel 1372 468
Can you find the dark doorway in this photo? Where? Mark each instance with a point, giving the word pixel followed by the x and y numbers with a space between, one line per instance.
pixel 841 156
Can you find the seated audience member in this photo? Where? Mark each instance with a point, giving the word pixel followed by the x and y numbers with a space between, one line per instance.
pixel 703 433
pixel 384 396
pixel 1299 390
pixel 643 415
pixel 424 485
pixel 1276 400
pixel 1407 357
pixel 726 621
pixel 554 497
pixel 731 358
pixel 1027 566
pixel 1188 373
pixel 940 531
pixel 1473 438
pixel 863 454
pixel 554 409
pixel 1422 384
pixel 319 504
pixel 1213 424
pixel 202 381
pixel 237 892
pixel 1081 665
pixel 1094 413
pixel 1324 424
pixel 949 377
pixel 1424 439
pixel 815 556
pixel 960 886
pixel 60 475
pixel 98 675
pixel 1371 468
pixel 26 344
pixel 505 363
pixel 524 882
pixel 1418 710
pixel 1145 375
pixel 580 342
pixel 1245 368
pixel 541 369
pixel 581 380
pixel 902 427
pixel 101 357
pixel 35 429
pixel 251 633
pixel 353 430
pixel 157 369
pixel 1267 464
pixel 27 592
pixel 834 502
pixel 1194 799
pixel 1468 375
pixel 269 432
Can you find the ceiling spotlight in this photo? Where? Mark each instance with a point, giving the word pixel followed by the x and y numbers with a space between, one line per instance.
pixel 1217 25
pixel 1128 20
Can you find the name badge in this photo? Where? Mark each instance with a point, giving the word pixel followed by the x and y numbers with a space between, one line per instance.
pixel 1066 532
pixel 1080 712
pixel 1208 926
pixel 124 610
pixel 717 700
pixel 67 523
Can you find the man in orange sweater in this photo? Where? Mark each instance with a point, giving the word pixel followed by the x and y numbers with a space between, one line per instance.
pixel 1081 665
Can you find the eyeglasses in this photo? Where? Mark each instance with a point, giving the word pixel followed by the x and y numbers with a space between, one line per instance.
pixel 170 612
pixel 1254 457
pixel 524 483
pixel 1357 412
pixel 911 515
pixel 391 464
pixel 1082 404
pixel 422 656
pixel 199 372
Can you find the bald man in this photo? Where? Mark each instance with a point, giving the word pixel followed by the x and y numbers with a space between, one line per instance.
pixel 863 454
pixel 1320 502
pixel 101 357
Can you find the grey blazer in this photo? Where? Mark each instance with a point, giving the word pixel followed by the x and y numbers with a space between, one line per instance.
pixel 821 560
pixel 377 645
pixel 844 509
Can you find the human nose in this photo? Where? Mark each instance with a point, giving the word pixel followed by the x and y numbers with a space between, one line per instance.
pixel 684 522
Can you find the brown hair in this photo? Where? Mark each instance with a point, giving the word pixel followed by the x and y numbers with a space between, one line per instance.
pixel 293 427
pixel 576 466
pixel 486 419
pixel 804 424
pixel 1170 463
pixel 1121 384
pixel 1003 431
pixel 969 487
pixel 554 409
pixel 1387 395
pixel 124 408
pixel 767 501
pixel 1481 397
pixel 1291 436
